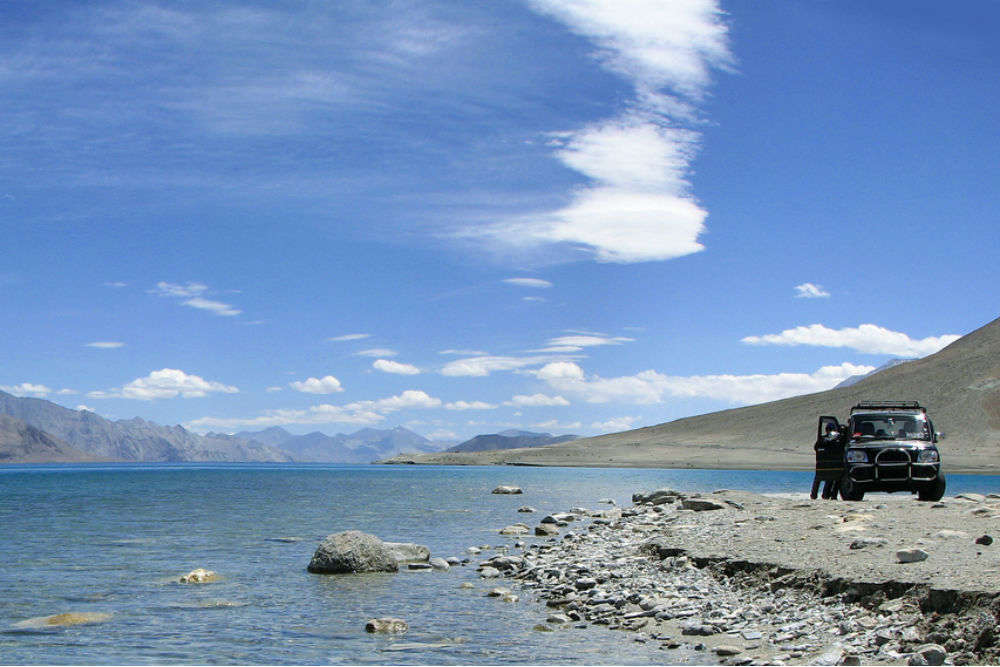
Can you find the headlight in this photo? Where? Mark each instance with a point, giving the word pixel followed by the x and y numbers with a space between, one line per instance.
pixel 856 456
pixel 928 456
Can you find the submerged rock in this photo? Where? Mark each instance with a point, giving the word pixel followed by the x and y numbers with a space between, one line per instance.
pixel 407 552
pixel 387 625
pixel 62 620
pixel 199 576
pixel 507 490
pixel 440 564
pixel 351 552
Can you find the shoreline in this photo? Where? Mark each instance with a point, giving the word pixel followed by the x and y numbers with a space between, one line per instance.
pixel 759 579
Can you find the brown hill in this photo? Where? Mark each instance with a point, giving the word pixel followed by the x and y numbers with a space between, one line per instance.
pixel 959 386
pixel 23 443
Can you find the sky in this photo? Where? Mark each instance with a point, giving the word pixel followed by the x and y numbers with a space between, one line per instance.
pixel 569 216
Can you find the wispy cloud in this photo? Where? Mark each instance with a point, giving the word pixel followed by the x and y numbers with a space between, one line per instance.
pixel 483 366
pixel 810 291
pixel 652 387
pixel 116 284
pixel 324 385
pixel 377 352
pixel 528 282
pixel 358 413
pixel 29 389
pixel 346 337
pixel 191 295
pixel 465 353
pixel 106 344
pixel 866 338
pixel 636 204
pixel 577 342
pixel 469 405
pixel 536 400
pixel 387 366
pixel 166 383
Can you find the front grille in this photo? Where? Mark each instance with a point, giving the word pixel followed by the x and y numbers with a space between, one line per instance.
pixel 893 465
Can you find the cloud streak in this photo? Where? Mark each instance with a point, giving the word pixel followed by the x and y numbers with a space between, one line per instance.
pixel 166 383
pixel 866 338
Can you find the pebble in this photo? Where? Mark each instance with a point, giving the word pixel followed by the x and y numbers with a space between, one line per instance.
pixel 911 555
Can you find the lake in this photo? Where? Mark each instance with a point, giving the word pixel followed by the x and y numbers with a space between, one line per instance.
pixel 114 538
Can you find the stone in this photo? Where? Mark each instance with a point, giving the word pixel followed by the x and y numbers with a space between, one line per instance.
pixel 557 619
pixel 865 542
pixel 985 540
pixel 543 628
pixel 546 529
pixel 497 592
pixel 62 620
pixel 911 555
pixel 697 628
pixel 467 585
pixel 723 650
pixel 504 489
pixel 440 564
pixel 585 583
pixel 351 552
pixel 199 576
pixel 607 501
pixel 387 625
pixel 509 597
pixel 452 560
pixel 930 654
pixel 516 529
pixel 407 552
pixel 419 566
pixel 489 573
pixel 526 509
pixel 701 505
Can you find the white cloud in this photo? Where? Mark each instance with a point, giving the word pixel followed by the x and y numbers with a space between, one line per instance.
pixel 637 205
pixel 533 299
pixel 192 295
pixel 216 307
pixel 345 337
pixel 867 338
pixel 67 392
pixel 177 290
pixel 166 383
pixel 528 282
pixel 591 340
pixel 106 344
pixel 651 387
pixel 82 407
pixel 324 385
pixel 614 425
pixel 483 366
pixel 27 389
pixel 536 400
pixel 469 405
pixel 465 353
pixel 116 283
pixel 363 413
pixel 377 352
pixel 387 366
pixel 810 291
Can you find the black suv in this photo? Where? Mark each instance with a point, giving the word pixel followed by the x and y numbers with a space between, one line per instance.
pixel 885 446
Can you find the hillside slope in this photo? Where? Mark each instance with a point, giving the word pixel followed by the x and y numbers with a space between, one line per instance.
pixel 959 385
pixel 23 443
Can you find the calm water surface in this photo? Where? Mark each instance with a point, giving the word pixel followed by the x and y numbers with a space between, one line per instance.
pixel 114 538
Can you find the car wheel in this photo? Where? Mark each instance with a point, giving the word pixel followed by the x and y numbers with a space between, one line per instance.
pixel 849 489
pixel 934 492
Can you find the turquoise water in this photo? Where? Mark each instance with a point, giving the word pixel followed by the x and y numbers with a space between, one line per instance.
pixel 114 538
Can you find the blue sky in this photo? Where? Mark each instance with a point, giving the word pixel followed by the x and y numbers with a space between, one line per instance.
pixel 560 215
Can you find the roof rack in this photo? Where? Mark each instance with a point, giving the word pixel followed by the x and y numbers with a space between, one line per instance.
pixel 888 405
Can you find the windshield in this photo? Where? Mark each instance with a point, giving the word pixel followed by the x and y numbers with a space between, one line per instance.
pixel 889 427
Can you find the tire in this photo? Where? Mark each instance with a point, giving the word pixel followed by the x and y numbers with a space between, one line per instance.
pixel 934 492
pixel 849 489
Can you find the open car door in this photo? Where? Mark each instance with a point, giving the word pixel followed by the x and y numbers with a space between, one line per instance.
pixel 824 426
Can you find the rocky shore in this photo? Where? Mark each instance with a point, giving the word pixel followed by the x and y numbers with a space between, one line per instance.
pixel 751 579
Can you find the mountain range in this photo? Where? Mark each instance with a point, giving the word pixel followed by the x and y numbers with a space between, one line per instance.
pixel 511 439
pixel 33 430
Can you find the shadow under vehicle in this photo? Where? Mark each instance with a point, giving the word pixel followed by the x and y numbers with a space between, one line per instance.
pixel 885 446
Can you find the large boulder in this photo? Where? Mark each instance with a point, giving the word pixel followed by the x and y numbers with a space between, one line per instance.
pixel 353 551
pixel 504 489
